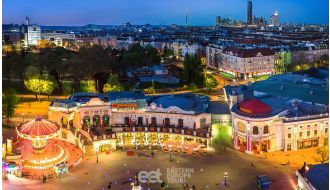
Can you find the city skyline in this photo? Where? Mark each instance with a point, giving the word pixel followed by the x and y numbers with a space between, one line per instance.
pixel 160 12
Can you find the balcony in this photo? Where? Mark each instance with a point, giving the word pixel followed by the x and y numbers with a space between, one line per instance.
pixel 99 133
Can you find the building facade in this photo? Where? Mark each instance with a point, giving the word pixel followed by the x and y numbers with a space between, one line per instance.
pixel 246 63
pixel 124 119
pixel 32 35
pixel 213 56
pixel 286 112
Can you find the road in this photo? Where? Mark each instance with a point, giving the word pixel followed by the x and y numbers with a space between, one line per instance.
pixel 207 173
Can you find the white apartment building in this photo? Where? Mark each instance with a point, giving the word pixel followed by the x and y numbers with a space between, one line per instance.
pixel 58 38
pixel 213 56
pixel 246 62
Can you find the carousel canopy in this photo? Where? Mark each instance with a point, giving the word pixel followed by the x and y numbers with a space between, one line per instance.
pixel 38 127
pixel 255 107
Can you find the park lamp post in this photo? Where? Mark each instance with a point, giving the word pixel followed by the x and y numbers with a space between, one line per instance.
pixel 97 155
pixel 226 176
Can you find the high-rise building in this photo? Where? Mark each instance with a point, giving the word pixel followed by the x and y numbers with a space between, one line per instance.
pixel 249 12
pixel 32 35
pixel 274 20
pixel 217 21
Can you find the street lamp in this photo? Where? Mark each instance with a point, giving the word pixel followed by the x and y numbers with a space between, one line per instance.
pixel 23 116
pixel 226 176
pixel 97 157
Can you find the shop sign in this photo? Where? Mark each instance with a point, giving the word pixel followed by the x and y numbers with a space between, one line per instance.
pixel 124 105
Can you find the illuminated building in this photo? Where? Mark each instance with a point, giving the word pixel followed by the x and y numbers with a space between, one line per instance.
pixel 281 113
pixel 32 35
pixel 125 118
pixel 274 19
pixel 59 38
pixel 247 62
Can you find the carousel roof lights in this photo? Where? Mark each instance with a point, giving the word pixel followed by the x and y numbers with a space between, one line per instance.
pixel 38 129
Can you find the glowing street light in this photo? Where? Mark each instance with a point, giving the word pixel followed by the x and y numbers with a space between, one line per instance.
pixel 226 176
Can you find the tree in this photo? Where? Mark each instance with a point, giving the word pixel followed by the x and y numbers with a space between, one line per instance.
pixel 67 88
pixel 323 153
pixel 210 83
pixel 9 104
pixel 192 70
pixel 39 84
pixel 48 87
pixel 113 84
pixel 42 44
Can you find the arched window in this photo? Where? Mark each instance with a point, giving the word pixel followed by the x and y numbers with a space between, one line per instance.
pixel 241 127
pixel 255 130
pixel 266 131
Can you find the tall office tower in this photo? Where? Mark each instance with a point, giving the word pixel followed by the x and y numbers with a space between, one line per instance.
pixel 217 21
pixel 249 12
pixel 274 20
pixel 186 11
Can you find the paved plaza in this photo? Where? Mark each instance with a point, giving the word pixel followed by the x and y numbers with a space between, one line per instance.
pixel 208 172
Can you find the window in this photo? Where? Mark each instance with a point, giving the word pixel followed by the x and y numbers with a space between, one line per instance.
pixel 308 133
pixel 202 123
pixel 326 130
pixel 266 129
pixel 180 122
pixel 241 127
pixel 289 135
pixel 255 130
pixel 288 147
pixel 315 132
pixel 300 134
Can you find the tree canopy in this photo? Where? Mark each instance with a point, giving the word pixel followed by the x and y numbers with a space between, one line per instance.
pixel 89 63
pixel 193 70
pixel 112 84
pixel 9 103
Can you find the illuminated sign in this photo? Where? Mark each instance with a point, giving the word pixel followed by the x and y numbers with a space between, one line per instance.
pixel 245 110
pixel 124 105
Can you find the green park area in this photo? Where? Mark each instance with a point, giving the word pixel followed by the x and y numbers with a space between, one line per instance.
pixel 227 75
pixel 221 135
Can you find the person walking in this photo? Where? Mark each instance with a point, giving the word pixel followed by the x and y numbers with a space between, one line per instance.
pixel 110 184
pixel 152 154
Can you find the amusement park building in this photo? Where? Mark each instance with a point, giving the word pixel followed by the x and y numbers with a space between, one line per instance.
pixel 285 112
pixel 122 118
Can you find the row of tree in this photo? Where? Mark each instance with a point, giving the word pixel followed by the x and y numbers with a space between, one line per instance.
pixel 50 68
pixel 293 67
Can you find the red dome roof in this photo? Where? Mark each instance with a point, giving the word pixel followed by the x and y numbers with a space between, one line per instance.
pixel 254 107
pixel 38 127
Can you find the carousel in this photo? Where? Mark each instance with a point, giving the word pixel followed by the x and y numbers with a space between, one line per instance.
pixel 39 148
